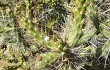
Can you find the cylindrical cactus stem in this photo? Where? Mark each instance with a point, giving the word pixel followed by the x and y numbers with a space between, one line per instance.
pixel 93 25
pixel 46 59
pixel 40 37
pixel 78 23
pixel 105 49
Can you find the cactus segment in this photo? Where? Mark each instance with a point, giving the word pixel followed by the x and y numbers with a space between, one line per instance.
pixel 78 24
pixel 105 30
pixel 87 51
pixel 106 49
pixel 40 37
pixel 47 59
pixel 89 34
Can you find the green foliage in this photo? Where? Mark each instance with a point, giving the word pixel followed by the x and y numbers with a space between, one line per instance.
pixel 54 34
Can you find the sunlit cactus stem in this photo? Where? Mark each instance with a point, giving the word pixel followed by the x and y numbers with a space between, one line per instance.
pixel 79 20
pixel 40 37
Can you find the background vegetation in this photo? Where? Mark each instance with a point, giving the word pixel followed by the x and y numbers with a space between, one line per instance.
pixel 54 34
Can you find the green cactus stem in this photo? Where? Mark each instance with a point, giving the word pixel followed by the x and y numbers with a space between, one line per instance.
pixel 105 30
pixel 40 37
pixel 106 49
pixel 79 20
pixel 47 59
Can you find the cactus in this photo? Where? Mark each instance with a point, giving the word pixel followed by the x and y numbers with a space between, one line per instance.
pixel 87 35
pixel 40 18
pixel 47 59
pixel 40 37
pixel 88 51
pixel 78 23
pixel 105 30
pixel 105 50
